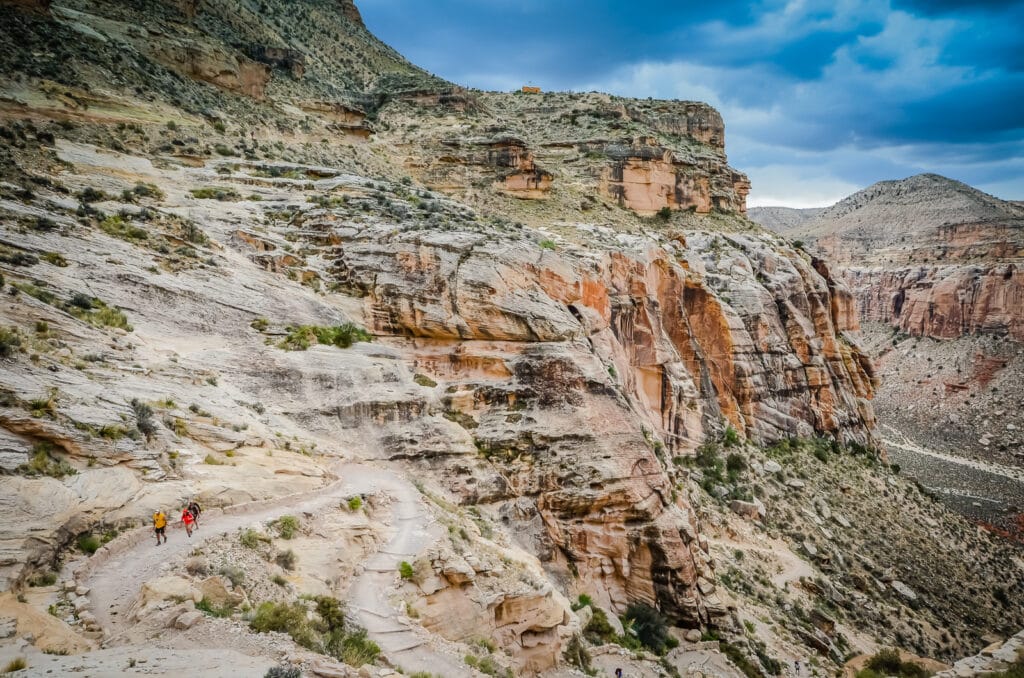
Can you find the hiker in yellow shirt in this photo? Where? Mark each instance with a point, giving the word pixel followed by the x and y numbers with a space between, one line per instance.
pixel 160 526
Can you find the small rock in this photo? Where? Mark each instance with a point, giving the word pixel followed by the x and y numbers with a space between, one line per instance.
pixel 902 589
pixel 187 620
pixel 329 669
pixel 705 586
pixel 796 483
pixel 746 509
pixel 8 627
pixel 693 636
pixel 82 604
pixel 772 466
pixel 810 548
pixel 841 519
pixel 82 591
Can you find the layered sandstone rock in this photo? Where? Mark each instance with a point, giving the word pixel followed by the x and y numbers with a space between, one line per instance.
pixel 929 255
pixel 577 373
pixel 219 67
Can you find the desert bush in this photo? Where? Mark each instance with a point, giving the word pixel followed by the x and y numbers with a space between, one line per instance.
pixel 16 664
pixel 405 570
pixel 88 543
pixel 547 244
pixel 250 538
pixel 343 336
pixel 41 463
pixel 287 618
pixel 10 341
pixel 143 418
pixel 283 672
pixel 286 559
pixel 355 503
pixel 650 626
pixel 207 607
pixel 287 526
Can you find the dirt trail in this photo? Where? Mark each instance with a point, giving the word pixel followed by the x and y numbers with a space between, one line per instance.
pixel 898 440
pixel 115 585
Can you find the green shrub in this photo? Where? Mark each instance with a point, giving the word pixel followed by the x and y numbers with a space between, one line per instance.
pixel 118 227
pixel 355 649
pixel 343 336
pixel 250 538
pixel 207 607
pixel 598 630
pixel 405 570
pixel 355 503
pixel 665 213
pixel 43 579
pixel 216 194
pixel 583 601
pixel 287 526
pixel 887 662
pixel 424 380
pixel 287 618
pixel 41 463
pixel 286 559
pixel 730 438
pixel 143 418
pixel 88 543
pixel 735 464
pixel 650 626
pixel 283 672
pixel 10 341
pixel 547 244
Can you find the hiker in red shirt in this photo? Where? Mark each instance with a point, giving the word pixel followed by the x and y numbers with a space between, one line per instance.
pixel 189 520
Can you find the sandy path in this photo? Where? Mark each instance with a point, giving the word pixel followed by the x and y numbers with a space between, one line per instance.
pixel 405 645
pixel 115 585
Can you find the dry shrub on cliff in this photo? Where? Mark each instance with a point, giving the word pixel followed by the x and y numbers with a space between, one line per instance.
pixel 10 341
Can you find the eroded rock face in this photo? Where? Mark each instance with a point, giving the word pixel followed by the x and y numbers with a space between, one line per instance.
pixel 577 373
pixel 929 255
pixel 232 72
pixel 647 177
pixel 943 301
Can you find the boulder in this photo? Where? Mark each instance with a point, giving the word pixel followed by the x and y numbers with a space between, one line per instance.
pixel 187 620
pixel 902 589
pixel 218 592
pixel 772 466
pixel 746 509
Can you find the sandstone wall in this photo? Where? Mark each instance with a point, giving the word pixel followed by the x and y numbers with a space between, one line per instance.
pixel 943 301
pixel 579 374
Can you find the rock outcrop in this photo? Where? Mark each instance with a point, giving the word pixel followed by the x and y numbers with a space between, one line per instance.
pixel 928 255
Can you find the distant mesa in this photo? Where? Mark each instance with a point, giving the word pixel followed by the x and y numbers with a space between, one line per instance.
pixel 928 254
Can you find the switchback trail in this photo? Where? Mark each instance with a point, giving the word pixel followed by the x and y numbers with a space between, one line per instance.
pixel 115 584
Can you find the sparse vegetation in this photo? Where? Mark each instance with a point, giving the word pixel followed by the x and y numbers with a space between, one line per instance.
pixel 16 664
pixel 324 631
pixel 287 526
pixel 887 662
pixel 10 341
pixel 207 607
pixel 355 503
pixel 286 559
pixel 223 194
pixel 650 627
pixel 42 463
pixel 343 336
pixel 88 543
pixel 405 570
pixel 547 244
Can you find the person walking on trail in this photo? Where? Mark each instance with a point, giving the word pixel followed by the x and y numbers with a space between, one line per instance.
pixel 160 526
pixel 618 673
pixel 195 510
pixel 188 520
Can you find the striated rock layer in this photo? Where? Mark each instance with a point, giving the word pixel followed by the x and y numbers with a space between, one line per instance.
pixel 929 255
pixel 577 374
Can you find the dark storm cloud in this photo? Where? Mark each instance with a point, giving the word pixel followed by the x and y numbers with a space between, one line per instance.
pixel 837 94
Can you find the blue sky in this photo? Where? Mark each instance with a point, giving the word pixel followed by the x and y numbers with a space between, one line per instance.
pixel 819 98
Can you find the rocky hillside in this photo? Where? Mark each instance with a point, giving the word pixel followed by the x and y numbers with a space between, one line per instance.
pixel 244 242
pixel 928 259
pixel 783 219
